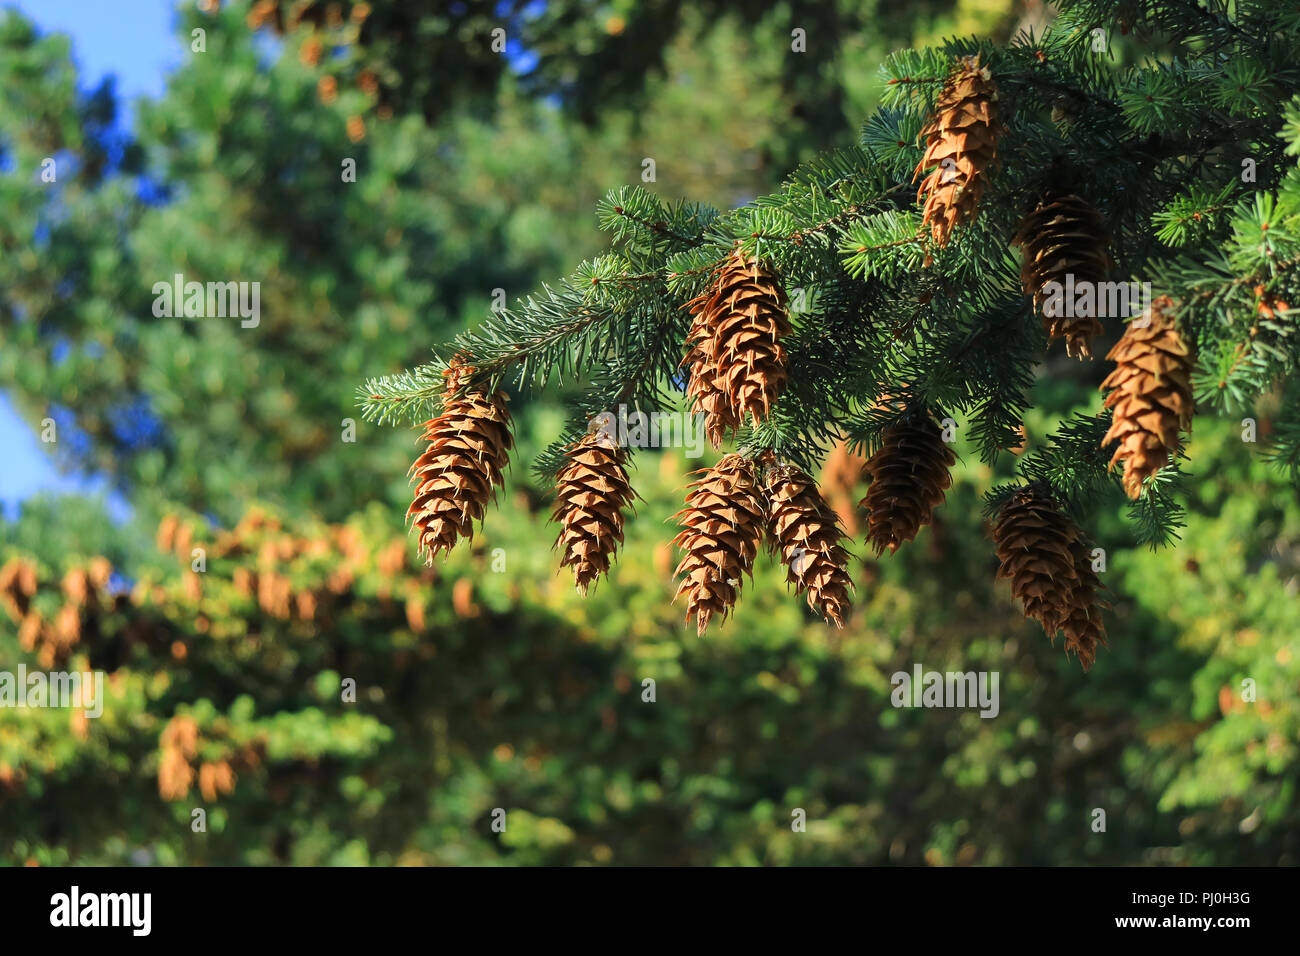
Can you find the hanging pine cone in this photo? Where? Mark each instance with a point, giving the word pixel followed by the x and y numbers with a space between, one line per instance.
pixel 909 475
pixel 736 360
pixel 591 491
pixel 468 447
pixel 1151 397
pixel 1035 544
pixel 1064 236
pixel 722 524
pixel 1084 627
pixel 961 148
pixel 806 534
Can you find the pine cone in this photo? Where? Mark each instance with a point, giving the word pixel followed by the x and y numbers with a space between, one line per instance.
pixel 591 491
pixel 468 447
pixel 1035 544
pixel 735 355
pixel 1151 399
pixel 961 148
pixel 909 475
pixel 1064 236
pixel 721 527
pixel 806 534
pixel 1084 627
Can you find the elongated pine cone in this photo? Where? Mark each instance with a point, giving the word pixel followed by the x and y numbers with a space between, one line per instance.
pixel 1036 545
pixel 1065 237
pixel 468 447
pixel 591 491
pixel 736 360
pixel 961 148
pixel 1084 627
pixel 1151 395
pixel 722 525
pixel 805 532
pixel 909 475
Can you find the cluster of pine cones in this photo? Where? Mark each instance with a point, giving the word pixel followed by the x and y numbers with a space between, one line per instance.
pixel 737 367
pixel 53 636
pixel 1062 236
pixel 1049 564
pixel 179 747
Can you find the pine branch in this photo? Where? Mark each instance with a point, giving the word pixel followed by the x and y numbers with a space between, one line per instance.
pixel 407 397
pixel 889 321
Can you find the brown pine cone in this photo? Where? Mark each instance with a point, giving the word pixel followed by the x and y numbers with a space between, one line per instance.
pixel 804 531
pixel 468 447
pixel 909 475
pixel 1064 236
pixel 591 491
pixel 722 524
pixel 1151 398
pixel 961 148
pixel 736 360
pixel 1035 544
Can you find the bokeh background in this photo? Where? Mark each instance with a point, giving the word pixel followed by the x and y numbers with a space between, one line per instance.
pixel 485 681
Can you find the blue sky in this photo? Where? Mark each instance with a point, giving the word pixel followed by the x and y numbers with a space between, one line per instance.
pixel 131 39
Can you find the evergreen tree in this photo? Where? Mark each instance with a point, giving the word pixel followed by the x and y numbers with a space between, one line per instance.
pixel 603 727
